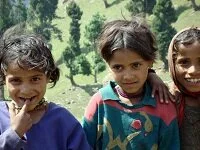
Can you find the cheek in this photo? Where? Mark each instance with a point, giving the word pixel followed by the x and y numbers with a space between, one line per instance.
pixel 10 87
pixel 145 75
pixel 112 74
pixel 144 71
pixel 179 70
pixel 116 76
pixel 142 76
pixel 42 88
pixel 11 91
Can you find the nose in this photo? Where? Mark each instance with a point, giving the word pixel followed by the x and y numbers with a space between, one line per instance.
pixel 25 89
pixel 128 74
pixel 194 69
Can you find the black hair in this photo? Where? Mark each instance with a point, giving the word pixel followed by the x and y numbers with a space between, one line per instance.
pixel 123 34
pixel 187 37
pixel 30 52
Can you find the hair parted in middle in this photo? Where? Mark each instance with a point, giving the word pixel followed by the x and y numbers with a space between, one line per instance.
pixel 134 35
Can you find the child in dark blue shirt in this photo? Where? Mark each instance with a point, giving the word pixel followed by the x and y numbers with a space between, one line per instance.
pixel 28 121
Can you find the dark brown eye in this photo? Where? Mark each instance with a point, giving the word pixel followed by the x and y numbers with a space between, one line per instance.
pixel 136 65
pixel 183 62
pixel 35 79
pixel 117 68
pixel 14 81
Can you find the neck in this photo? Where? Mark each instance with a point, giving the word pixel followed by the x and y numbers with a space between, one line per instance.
pixel 192 101
pixel 41 105
pixel 128 95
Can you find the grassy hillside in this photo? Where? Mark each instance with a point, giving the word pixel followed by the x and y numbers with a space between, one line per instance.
pixel 187 16
pixel 75 99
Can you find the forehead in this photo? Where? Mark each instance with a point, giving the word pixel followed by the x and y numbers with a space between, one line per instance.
pixel 190 50
pixel 15 70
pixel 123 56
pixel 125 53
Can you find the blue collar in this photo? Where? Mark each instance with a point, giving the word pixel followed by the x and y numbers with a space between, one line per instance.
pixel 108 93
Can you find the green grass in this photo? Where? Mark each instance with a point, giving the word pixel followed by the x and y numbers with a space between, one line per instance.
pixel 187 16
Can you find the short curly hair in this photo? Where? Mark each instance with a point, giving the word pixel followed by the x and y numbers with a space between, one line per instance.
pixel 29 52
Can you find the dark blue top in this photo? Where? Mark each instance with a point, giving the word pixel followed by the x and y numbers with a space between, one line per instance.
pixel 57 130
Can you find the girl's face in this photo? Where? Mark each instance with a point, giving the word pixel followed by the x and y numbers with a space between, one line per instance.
pixel 129 70
pixel 25 85
pixel 187 66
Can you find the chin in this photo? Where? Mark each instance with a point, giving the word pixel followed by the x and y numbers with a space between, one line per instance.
pixel 30 108
pixel 194 91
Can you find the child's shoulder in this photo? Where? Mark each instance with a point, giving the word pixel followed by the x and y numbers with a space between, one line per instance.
pixel 167 112
pixel 61 116
pixel 56 110
pixel 2 102
pixel 166 107
pixel 57 107
pixel 103 94
pixel 3 106
pixel 107 91
pixel 4 115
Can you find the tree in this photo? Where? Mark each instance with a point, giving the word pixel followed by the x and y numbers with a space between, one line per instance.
pixel 5 21
pixel 141 7
pixel 40 16
pixel 74 60
pixel 105 3
pixel 164 16
pixel 18 12
pixel 92 31
pixel 194 5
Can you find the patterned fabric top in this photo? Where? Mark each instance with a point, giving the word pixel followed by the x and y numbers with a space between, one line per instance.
pixel 148 125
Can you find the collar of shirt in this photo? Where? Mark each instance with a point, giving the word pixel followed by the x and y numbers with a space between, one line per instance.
pixel 108 93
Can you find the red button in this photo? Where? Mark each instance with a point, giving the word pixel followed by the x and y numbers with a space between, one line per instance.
pixel 136 124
